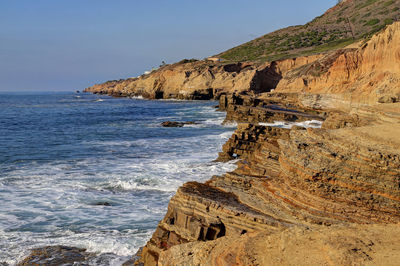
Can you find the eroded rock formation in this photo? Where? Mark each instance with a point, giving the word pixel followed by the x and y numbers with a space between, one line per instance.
pixel 368 74
pixel 302 178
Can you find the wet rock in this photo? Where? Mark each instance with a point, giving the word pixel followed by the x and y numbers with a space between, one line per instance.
pixel 57 255
pixel 102 203
pixel 177 124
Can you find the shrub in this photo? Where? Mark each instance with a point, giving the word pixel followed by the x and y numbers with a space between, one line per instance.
pixel 388 3
pixel 388 21
pixel 372 22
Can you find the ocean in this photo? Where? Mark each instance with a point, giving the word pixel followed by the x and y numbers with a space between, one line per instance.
pixel 97 172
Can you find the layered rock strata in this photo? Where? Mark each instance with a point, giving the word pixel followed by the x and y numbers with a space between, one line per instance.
pixel 344 173
pixel 268 108
pixel 248 138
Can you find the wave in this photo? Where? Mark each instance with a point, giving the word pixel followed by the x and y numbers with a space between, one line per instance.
pixel 112 247
pixel 140 97
pixel 133 170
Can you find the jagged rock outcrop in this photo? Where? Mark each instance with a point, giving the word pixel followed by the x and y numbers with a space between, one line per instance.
pixel 247 138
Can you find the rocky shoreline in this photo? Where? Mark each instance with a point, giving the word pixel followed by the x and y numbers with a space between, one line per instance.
pixel 331 177
pixel 327 195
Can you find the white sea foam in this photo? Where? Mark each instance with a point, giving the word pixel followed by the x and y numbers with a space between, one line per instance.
pixel 76 185
pixel 113 247
pixel 306 124
pixel 140 97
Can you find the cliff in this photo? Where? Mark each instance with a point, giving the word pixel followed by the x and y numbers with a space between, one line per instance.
pixel 294 178
pixel 368 74
pixel 201 80
pixel 299 184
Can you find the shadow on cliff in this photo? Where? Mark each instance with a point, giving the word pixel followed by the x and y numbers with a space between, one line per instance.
pixel 266 79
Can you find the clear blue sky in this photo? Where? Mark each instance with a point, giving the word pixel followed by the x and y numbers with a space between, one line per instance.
pixel 72 44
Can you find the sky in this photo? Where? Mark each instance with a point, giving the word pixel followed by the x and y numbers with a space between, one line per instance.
pixel 65 45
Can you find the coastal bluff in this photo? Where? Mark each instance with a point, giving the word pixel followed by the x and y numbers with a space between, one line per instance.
pixel 365 73
pixel 334 190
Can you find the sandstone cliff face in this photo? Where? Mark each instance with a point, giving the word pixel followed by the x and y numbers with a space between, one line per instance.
pixel 299 178
pixel 369 74
pixel 202 80
pixel 193 80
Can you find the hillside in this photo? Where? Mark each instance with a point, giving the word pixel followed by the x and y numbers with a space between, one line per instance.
pixel 343 24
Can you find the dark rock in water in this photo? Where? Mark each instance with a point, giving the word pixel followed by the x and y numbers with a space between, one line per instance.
pixel 177 124
pixel 102 203
pixel 56 255
pixel 134 261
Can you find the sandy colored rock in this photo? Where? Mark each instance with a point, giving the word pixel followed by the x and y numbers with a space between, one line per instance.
pixel 335 176
pixel 368 74
pixel 350 245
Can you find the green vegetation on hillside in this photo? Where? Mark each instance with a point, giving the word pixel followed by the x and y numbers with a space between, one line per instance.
pixel 347 22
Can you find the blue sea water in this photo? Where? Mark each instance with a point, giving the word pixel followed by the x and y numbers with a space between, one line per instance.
pixel 97 172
